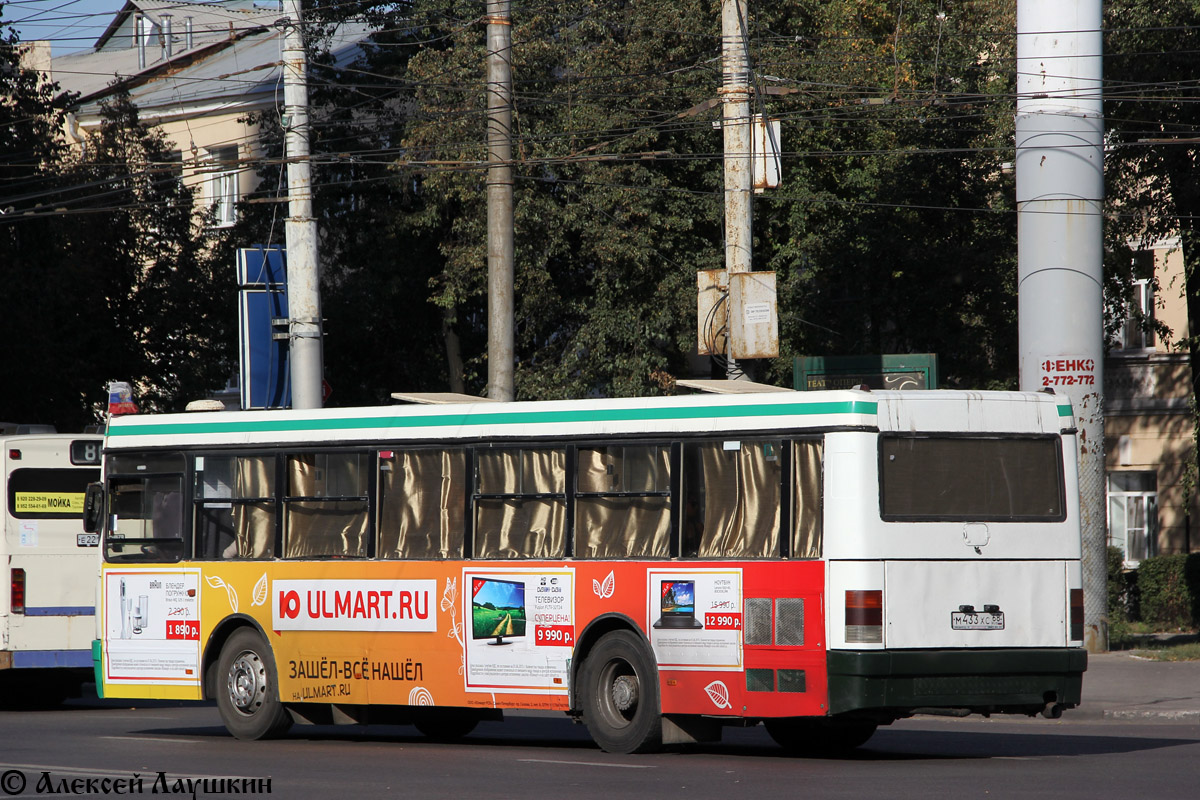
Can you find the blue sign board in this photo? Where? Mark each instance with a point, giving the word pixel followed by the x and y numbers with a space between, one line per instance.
pixel 262 326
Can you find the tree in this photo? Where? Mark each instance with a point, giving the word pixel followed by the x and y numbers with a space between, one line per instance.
pixel 45 343
pixel 382 334
pixel 1150 165
pixel 107 273
pixel 894 230
pixel 614 214
pixel 616 207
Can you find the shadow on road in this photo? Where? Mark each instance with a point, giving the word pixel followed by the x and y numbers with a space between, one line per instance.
pixel 889 744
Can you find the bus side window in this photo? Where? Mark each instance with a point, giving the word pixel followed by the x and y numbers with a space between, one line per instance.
pixel 520 503
pixel 807 510
pixel 325 510
pixel 422 503
pixel 732 499
pixel 622 502
pixel 235 506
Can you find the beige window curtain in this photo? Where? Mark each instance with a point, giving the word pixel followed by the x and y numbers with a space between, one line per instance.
pixel 422 511
pixel 317 527
pixel 519 526
pixel 254 523
pixel 741 500
pixel 623 527
pixel 807 523
pixel 617 526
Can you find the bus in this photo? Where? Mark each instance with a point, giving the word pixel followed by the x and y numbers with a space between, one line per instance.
pixel 47 616
pixel 656 568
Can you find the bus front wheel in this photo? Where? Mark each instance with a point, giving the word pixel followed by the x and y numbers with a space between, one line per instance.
pixel 248 689
pixel 619 695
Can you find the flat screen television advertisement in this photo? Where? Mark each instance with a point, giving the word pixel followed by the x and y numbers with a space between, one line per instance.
pixel 497 610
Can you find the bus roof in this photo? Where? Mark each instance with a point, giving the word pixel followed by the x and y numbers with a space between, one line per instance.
pixel 933 411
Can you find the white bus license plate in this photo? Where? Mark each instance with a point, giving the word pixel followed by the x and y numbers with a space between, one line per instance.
pixel 977 621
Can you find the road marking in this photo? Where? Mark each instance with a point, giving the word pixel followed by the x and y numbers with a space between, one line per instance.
pixel 80 771
pixel 98 772
pixel 585 763
pixel 154 739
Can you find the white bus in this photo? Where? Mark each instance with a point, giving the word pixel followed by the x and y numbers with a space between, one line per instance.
pixel 821 562
pixel 49 565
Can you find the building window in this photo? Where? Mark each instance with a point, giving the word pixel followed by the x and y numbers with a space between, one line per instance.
pixel 1133 514
pixel 1134 333
pixel 223 185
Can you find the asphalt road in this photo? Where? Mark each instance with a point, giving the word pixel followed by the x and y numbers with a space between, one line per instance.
pixel 55 753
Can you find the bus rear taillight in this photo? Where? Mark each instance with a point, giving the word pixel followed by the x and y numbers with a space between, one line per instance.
pixel 1077 615
pixel 17 599
pixel 864 616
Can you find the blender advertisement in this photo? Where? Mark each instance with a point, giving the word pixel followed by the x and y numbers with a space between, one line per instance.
pixel 152 626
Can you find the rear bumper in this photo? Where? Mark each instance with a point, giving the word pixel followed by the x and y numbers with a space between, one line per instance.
pixel 897 683
pixel 45 659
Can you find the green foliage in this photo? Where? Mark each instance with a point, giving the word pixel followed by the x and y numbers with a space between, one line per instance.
pixel 1117 587
pixel 106 275
pixel 1118 599
pixel 894 229
pixel 1150 160
pixel 1169 588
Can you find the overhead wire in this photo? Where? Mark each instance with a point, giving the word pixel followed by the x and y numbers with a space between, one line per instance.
pixel 667 123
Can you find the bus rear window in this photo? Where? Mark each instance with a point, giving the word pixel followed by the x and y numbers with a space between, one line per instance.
pixel 971 479
pixel 48 493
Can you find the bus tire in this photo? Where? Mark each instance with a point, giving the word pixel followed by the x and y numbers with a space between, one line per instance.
pixel 619 695
pixel 819 736
pixel 248 688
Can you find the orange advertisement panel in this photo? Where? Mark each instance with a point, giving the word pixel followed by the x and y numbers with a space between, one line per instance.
pixel 467 634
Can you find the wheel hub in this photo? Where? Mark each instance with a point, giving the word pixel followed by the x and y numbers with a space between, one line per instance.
pixel 625 692
pixel 245 683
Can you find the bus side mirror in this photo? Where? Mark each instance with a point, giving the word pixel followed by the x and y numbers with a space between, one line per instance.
pixel 93 508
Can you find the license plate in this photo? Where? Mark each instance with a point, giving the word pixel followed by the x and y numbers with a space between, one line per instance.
pixel 977 621
pixel 87 540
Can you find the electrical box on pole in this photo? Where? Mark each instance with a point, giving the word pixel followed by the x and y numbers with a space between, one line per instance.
pixel 753 319
pixel 736 308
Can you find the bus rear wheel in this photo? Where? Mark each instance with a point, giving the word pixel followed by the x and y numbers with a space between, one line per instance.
pixel 619 695
pixel 819 736
pixel 248 689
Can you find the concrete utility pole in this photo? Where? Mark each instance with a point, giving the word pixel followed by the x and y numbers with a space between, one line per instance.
pixel 736 127
pixel 500 202
pixel 1060 192
pixel 300 231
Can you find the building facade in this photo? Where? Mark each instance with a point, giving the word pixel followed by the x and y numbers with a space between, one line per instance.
pixel 1149 422
pixel 203 73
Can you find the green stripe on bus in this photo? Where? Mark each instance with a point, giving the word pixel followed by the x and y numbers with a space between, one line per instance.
pixel 495 418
